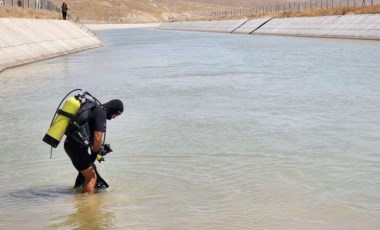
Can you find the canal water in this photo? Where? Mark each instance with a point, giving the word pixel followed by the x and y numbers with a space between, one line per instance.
pixel 220 131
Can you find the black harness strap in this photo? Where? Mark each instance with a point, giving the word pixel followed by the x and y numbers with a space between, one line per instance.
pixel 66 114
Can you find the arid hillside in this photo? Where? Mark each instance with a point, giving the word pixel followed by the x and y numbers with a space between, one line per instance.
pixel 152 10
pixel 135 10
pixel 141 11
pixel 242 3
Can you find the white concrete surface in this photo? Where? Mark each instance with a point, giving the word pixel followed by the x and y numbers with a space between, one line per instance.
pixel 28 40
pixel 251 25
pixel 96 27
pixel 365 26
pixel 225 26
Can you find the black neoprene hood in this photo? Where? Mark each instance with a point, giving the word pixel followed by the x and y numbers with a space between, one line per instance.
pixel 113 107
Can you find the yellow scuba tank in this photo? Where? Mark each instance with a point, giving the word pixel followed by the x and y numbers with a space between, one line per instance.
pixel 59 125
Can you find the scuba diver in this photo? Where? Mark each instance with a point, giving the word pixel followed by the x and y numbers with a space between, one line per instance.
pixel 84 122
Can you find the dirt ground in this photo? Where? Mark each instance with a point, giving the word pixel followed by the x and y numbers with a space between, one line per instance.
pixel 152 11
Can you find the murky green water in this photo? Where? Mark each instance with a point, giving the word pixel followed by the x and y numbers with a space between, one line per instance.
pixel 220 131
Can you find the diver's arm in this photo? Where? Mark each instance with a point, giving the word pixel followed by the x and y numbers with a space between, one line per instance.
pixel 98 138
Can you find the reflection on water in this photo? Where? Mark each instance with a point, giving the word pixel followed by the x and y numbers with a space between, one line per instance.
pixel 77 210
pixel 88 213
pixel 219 132
pixel 40 194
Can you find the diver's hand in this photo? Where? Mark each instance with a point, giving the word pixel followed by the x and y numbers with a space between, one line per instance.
pixel 105 149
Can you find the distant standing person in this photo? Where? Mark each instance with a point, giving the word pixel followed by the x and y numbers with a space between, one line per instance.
pixel 64 10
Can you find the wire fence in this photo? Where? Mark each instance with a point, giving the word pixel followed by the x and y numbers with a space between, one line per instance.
pixel 275 9
pixel 35 4
pixel 210 15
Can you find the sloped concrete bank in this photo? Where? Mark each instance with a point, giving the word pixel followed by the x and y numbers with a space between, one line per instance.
pixel 366 26
pixel 97 27
pixel 226 26
pixel 28 40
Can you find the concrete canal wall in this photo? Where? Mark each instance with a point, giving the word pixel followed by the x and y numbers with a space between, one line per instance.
pixel 251 26
pixel 28 40
pixel 347 26
pixel 226 26
pixel 366 26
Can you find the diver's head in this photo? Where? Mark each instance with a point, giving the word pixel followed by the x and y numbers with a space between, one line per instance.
pixel 113 108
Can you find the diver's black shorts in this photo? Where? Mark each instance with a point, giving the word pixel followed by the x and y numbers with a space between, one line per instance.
pixel 78 154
